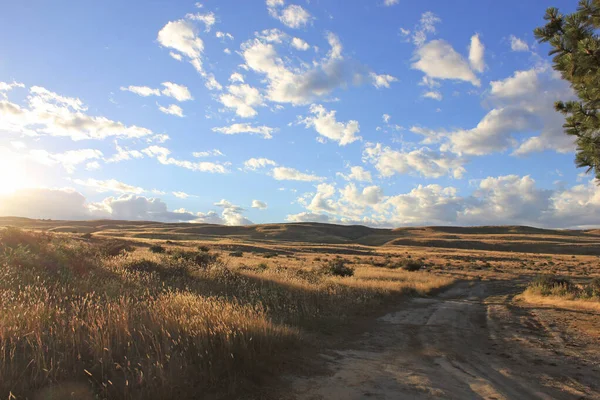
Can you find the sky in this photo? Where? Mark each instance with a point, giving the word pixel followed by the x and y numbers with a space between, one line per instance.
pixel 383 113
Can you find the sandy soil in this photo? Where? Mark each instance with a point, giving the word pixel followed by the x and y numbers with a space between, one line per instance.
pixel 473 341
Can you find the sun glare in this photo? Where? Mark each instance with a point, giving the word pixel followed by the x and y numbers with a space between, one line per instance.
pixel 12 176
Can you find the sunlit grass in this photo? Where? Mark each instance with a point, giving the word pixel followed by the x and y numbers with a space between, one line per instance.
pixel 101 320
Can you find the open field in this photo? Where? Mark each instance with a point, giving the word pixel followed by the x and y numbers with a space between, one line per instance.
pixel 120 309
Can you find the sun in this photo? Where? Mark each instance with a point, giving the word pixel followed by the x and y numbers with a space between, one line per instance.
pixel 12 175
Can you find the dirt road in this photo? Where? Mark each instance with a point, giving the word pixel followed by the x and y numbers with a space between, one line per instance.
pixel 470 342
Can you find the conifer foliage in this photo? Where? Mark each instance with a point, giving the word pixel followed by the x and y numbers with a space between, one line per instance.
pixel 576 50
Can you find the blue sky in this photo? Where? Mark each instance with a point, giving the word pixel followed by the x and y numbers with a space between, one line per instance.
pixel 385 113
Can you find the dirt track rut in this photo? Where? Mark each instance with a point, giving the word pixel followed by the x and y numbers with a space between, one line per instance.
pixel 470 342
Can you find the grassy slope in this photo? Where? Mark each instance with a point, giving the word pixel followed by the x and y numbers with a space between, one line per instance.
pixel 493 238
pixel 94 317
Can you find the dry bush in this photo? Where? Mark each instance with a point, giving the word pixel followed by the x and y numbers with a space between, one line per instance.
pixel 138 325
pixel 558 291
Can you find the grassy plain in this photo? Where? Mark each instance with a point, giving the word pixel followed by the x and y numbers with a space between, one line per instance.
pixel 115 309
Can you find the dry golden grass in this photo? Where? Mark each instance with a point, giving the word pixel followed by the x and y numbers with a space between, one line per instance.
pixel 103 320
pixel 560 302
pixel 563 292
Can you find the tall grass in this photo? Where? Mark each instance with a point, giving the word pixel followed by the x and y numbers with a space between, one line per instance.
pixel 561 292
pixel 77 319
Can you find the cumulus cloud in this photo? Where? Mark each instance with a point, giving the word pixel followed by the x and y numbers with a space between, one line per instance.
pixel 109 185
pixel 433 94
pixel 6 87
pixel 523 103
pixel 438 60
pixel 69 159
pixel 300 44
pixel 476 53
pixel 382 81
pixel 258 163
pixel 292 16
pixel 123 154
pixel 389 3
pixel 232 214
pixel 325 124
pixel 208 153
pixel 48 113
pixel 181 195
pixel 291 174
pixel 234 129
pixel 501 200
pixel 143 91
pixel 261 205
pixel 172 109
pixel 243 99
pixel 302 84
pixel 517 44
pixel 425 26
pixel 423 161
pixel 68 204
pixel 178 92
pixel 357 173
pixel 181 37
pixel 162 154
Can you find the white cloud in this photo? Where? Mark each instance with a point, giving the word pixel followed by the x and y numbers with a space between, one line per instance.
pixel 181 195
pixel 326 124
pixel 208 153
pixel 438 60
pixel 425 26
pixel 424 161
pixel 433 94
pixel 110 185
pixel 292 16
pixel 181 37
pixel 224 35
pixel 208 19
pixel 300 44
pixel 68 204
pixel 382 81
pixel 49 113
pixel 162 155
pixel 258 163
pixel 302 84
pixel 236 77
pixel 232 214
pixel 291 174
pixel 176 56
pixel 92 166
pixel 124 154
pixel 6 87
pixel 261 205
pixel 357 173
pixel 517 44
pixel 523 103
pixel 243 98
pixel 386 118
pixel 235 129
pixel 389 3
pixel 69 159
pixel 172 109
pixel 178 92
pixel 476 53
pixel 143 91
